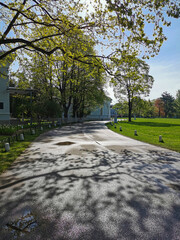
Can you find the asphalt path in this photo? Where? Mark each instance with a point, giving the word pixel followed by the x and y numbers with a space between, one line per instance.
pixel 87 182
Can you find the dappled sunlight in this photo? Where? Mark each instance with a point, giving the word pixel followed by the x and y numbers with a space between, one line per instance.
pixel 101 196
pixel 86 182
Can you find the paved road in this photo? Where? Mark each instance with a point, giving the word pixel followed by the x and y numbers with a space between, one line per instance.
pixel 86 182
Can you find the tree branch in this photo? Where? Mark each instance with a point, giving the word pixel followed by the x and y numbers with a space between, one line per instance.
pixel 13 20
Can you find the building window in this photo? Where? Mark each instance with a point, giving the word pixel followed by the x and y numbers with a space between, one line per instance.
pixel 1 105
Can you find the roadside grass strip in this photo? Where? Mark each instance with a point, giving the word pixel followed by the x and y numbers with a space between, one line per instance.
pixel 16 147
pixel 7 158
pixel 149 131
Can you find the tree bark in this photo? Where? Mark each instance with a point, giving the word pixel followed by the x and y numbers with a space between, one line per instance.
pixel 130 110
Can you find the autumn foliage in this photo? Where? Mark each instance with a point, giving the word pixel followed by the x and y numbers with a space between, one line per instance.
pixel 159 107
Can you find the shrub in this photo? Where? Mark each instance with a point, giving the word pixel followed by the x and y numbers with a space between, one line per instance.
pixel 7 129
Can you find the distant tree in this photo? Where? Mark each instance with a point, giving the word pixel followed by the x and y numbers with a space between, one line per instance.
pixel 132 79
pixel 169 104
pixel 177 102
pixel 138 106
pixel 121 108
pixel 149 109
pixel 142 107
pixel 159 107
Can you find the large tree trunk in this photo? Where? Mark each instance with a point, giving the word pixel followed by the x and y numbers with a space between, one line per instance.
pixel 75 107
pixel 65 111
pixel 130 107
pixel 130 110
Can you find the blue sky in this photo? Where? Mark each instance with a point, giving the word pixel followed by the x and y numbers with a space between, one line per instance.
pixel 165 67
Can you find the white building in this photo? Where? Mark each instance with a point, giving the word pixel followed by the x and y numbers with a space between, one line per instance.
pixel 4 93
pixel 101 113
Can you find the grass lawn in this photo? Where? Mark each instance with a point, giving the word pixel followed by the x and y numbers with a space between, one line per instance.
pixel 7 158
pixel 148 130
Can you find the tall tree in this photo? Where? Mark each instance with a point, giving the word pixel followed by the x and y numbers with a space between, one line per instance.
pixel 169 104
pixel 143 108
pixel 132 79
pixel 36 73
pixel 177 101
pixel 159 105
pixel 72 82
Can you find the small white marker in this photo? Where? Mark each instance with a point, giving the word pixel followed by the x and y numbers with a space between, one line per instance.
pixel 160 138
pixel 7 147
pixel 33 131
pixel 22 137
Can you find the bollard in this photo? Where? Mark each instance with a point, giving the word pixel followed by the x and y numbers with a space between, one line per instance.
pixel 115 126
pixel 41 128
pixel 160 138
pixel 58 123
pixel 21 137
pixel 49 125
pixel 120 129
pixel 7 147
pixel 135 132
pixel 55 124
pixel 32 131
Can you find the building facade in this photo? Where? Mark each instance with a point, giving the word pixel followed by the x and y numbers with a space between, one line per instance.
pixel 101 113
pixel 4 93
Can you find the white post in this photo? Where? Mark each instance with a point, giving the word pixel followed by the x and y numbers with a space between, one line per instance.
pixel 160 138
pixel 7 147
pixel 33 131
pixel 41 128
pixel 21 137
pixel 120 129
pixel 49 125
pixel 135 132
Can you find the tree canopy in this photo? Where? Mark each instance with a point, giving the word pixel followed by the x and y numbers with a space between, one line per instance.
pixel 177 102
pixel 66 33
pixel 112 23
pixel 75 86
pixel 131 79
pixel 168 103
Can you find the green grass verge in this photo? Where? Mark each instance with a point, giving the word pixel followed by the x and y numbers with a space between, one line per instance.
pixel 148 130
pixel 7 158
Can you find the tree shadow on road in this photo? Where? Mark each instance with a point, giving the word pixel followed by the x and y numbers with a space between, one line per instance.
pixel 69 130
pixel 100 196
